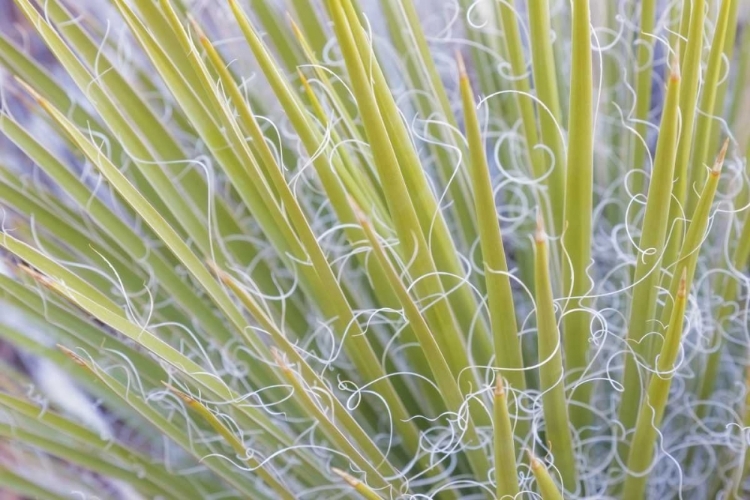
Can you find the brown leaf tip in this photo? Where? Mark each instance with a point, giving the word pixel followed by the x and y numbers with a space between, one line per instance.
pixel 29 89
pixel 682 288
pixel 214 268
pixel 36 275
pixel 674 74
pixel 540 236
pixel 461 65
pixel 534 462
pixel 72 355
pixel 351 480
pixel 278 357
pixel 186 398
pixel 295 27
pixel 719 163
pixel 358 213
pixel 499 387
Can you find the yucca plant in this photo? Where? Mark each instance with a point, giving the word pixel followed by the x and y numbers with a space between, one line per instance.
pixel 377 249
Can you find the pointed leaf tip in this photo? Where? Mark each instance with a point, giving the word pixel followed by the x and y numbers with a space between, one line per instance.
pixel 350 480
pixel 674 73
pixel 213 267
pixel 186 398
pixel 279 359
pixel 540 235
pixel 461 65
pixel 303 78
pixel 296 31
pixel 77 359
pixel 719 163
pixel 499 386
pixel 534 462
pixel 28 88
pixel 358 213
pixel 198 30
pixel 682 289
pixel 223 276
pixel 40 278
